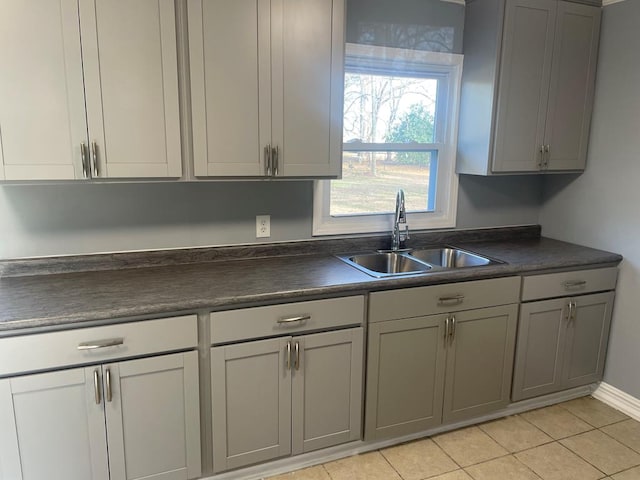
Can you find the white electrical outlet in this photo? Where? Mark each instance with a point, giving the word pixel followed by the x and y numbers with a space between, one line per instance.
pixel 263 226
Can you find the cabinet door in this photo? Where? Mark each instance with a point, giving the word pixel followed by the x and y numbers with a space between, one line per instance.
pixel 52 426
pixel 479 362
pixel 541 339
pixel 42 118
pixel 153 417
pixel 527 49
pixel 573 76
pixel 131 81
pixel 405 376
pixel 308 53
pixel 230 62
pixel 251 395
pixel 586 340
pixel 327 389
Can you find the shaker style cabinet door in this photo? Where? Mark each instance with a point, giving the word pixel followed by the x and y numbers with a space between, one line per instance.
pixel 527 51
pixel 479 362
pixel 405 376
pixel 308 82
pixel 251 395
pixel 230 61
pixel 42 113
pixel 573 76
pixel 326 389
pixel 540 345
pixel 52 426
pixel 131 79
pixel 586 339
pixel 152 412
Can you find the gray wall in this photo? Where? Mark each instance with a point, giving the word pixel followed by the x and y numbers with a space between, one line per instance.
pixel 42 220
pixel 600 207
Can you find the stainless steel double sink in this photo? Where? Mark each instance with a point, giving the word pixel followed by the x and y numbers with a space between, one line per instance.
pixel 411 262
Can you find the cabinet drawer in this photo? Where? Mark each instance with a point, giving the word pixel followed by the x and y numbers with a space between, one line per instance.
pixel 452 297
pixel 568 283
pixel 246 323
pixel 45 351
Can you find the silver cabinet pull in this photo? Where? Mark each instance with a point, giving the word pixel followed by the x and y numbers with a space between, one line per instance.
pixel 575 284
pixel 288 355
pixel 541 163
pixel 453 327
pixel 574 308
pixel 547 151
pixel 451 300
pixel 446 329
pixel 300 318
pixel 296 363
pixel 94 159
pixel 86 173
pixel 276 159
pixel 94 345
pixel 96 386
pixel 107 380
pixel 267 160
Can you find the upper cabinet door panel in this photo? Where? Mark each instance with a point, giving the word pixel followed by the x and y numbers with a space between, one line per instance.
pixel 42 116
pixel 308 45
pixel 230 85
pixel 131 81
pixel 524 84
pixel 572 85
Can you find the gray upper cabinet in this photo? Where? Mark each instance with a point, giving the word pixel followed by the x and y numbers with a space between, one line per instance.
pixel 266 87
pixel 528 86
pixel 89 89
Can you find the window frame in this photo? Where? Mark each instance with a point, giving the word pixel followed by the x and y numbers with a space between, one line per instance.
pixel 385 60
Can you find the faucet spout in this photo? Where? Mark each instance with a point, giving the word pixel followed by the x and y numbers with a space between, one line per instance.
pixel 400 228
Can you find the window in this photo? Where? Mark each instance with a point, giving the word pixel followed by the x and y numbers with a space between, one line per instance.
pixel 400 116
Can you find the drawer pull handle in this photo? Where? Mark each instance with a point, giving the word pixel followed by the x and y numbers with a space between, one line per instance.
pixel 575 284
pixel 301 318
pixel 96 386
pixel 111 342
pixel 451 300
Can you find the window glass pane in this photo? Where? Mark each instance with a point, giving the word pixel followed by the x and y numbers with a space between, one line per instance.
pixel 389 109
pixel 370 181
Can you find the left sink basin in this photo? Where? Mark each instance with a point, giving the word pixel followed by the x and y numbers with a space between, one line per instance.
pixel 385 264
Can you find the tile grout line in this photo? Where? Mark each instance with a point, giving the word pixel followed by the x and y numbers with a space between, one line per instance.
pixel 390 464
pixel 619 441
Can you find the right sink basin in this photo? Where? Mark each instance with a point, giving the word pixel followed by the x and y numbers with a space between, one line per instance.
pixel 451 257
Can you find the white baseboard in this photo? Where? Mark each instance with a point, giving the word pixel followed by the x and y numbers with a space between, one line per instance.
pixel 618 399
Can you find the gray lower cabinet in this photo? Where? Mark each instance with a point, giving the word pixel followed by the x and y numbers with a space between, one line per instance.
pixel 562 344
pixel 287 395
pixel 424 371
pixel 127 420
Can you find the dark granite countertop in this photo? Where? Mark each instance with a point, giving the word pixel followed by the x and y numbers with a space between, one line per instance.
pixel 29 302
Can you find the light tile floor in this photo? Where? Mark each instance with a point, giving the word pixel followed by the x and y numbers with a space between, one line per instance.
pixel 583 439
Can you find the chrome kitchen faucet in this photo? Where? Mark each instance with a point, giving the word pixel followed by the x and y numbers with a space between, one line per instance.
pixel 400 228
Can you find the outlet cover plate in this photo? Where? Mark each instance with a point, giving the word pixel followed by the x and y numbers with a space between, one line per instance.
pixel 263 226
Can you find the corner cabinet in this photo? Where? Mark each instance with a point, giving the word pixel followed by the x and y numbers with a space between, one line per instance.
pixel 291 394
pixel 266 87
pixel 89 89
pixel 528 86
pixel 124 420
pixel 562 342
pixel 439 355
